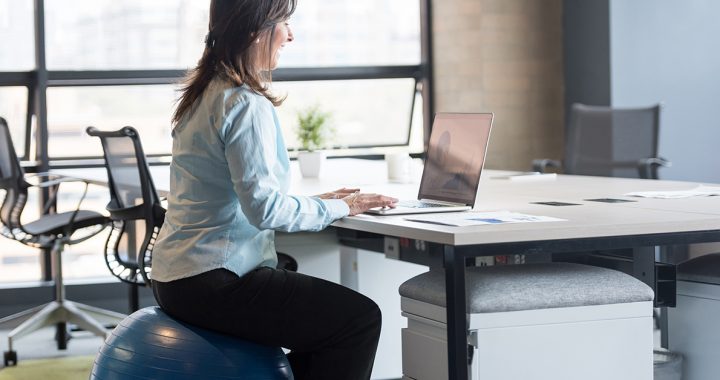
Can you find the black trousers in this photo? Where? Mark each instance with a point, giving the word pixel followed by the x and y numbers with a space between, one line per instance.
pixel 332 331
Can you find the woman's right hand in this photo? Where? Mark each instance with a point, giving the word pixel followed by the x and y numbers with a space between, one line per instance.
pixel 359 202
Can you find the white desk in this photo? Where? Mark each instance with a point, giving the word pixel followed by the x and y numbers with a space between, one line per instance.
pixel 640 225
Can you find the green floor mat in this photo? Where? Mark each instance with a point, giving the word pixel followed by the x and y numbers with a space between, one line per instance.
pixel 71 368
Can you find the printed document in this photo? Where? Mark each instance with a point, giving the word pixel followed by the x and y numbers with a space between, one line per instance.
pixel 700 191
pixel 472 218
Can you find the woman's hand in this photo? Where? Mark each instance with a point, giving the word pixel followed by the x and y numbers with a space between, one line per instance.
pixel 338 194
pixel 360 203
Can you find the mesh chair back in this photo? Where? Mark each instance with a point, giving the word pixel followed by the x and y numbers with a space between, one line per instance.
pixel 12 182
pixel 610 142
pixel 9 163
pixel 126 172
pixel 134 206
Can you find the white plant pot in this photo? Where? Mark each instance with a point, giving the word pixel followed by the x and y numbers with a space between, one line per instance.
pixel 310 163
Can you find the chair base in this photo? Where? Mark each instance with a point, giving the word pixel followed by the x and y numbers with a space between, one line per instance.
pixel 84 316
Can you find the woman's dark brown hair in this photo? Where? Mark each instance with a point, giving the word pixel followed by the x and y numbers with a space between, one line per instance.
pixel 234 27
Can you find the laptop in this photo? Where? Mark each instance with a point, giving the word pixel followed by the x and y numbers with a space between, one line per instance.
pixel 455 159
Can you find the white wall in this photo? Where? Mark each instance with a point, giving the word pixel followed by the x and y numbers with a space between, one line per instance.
pixel 667 50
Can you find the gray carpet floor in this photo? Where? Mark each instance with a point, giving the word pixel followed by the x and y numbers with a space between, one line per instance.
pixel 41 345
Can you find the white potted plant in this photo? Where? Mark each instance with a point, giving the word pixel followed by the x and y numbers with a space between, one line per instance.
pixel 313 133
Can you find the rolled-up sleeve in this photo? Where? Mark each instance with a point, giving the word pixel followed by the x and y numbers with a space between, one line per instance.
pixel 251 152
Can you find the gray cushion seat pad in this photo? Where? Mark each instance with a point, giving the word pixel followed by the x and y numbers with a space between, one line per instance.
pixel 533 286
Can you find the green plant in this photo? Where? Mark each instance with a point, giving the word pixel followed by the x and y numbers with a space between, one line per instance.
pixel 313 131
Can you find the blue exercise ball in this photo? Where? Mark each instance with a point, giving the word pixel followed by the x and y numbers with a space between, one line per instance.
pixel 149 344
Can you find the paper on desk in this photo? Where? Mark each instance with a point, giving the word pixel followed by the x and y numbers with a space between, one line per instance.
pixel 463 219
pixel 528 176
pixel 700 191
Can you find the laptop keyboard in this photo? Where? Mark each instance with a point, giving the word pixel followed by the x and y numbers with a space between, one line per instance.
pixel 419 204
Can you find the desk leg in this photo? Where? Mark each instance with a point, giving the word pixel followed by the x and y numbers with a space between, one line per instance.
pixel 349 268
pixel 456 314
pixel 644 265
pixel 644 270
pixel 664 328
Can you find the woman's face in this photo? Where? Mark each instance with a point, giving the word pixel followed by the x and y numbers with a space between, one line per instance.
pixel 280 37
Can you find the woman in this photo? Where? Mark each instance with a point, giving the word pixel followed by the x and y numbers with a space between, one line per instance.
pixel 214 261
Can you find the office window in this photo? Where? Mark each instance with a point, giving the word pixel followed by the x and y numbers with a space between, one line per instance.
pixel 72 109
pixel 13 108
pixel 128 34
pixel 148 109
pixel 89 39
pixel 17 35
pixel 139 34
pixel 354 33
pixel 364 113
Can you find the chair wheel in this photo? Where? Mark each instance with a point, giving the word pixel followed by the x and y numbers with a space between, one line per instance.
pixel 10 358
pixel 62 335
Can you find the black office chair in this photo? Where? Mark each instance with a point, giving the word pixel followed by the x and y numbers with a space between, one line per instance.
pixel 610 142
pixel 135 209
pixel 50 231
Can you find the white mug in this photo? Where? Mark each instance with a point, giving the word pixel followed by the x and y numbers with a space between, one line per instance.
pixel 398 167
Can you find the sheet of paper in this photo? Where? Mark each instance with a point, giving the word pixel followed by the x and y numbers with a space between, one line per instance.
pixel 528 176
pixel 700 191
pixel 472 218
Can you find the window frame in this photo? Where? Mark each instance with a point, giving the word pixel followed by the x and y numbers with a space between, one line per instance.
pixel 37 82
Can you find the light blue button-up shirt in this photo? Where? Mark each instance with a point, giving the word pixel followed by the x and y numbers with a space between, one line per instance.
pixel 228 189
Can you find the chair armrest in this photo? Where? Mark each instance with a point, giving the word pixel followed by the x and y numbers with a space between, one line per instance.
pixel 53 179
pixel 541 165
pixel 53 183
pixel 647 167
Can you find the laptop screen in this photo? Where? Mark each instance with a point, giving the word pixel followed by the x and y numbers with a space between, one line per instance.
pixel 455 157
